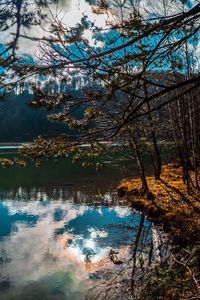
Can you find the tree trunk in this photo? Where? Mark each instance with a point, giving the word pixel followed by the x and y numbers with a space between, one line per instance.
pixel 139 161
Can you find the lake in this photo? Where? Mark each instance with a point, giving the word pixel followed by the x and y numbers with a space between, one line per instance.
pixel 58 226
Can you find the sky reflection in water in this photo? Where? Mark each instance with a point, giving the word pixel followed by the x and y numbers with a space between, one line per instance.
pixel 48 249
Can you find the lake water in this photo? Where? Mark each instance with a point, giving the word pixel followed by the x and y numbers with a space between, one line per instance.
pixel 58 224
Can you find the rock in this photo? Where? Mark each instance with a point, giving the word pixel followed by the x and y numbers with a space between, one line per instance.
pixel 113 257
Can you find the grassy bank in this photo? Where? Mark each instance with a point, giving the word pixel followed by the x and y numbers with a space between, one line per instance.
pixel 167 203
pixel 177 212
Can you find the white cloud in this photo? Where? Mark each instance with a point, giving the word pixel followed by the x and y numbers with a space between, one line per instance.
pixel 34 252
pixel 35 208
pixel 122 211
pixel 159 7
pixel 67 11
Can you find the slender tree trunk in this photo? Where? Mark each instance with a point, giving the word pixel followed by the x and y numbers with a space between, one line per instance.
pixel 194 135
pixel 157 163
pixel 183 129
pixel 134 257
pixel 139 160
pixel 193 117
pixel 177 142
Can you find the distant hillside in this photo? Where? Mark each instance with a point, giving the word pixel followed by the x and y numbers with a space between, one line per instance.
pixel 21 123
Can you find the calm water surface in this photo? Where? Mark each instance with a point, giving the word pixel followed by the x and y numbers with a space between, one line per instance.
pixel 57 226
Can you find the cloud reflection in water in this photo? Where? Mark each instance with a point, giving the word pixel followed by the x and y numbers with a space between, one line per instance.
pixel 52 246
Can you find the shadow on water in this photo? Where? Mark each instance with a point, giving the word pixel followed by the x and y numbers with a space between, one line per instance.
pixel 65 173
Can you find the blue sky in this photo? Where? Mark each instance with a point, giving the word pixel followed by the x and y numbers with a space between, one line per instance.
pixel 70 13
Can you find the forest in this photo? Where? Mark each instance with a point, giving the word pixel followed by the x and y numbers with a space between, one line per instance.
pixel 143 65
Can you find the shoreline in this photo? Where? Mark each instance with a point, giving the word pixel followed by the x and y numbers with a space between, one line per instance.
pixel 167 204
